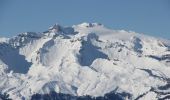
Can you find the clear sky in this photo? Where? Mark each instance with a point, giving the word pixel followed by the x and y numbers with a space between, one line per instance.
pixel 143 16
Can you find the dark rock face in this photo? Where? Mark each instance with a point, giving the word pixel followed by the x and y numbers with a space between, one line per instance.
pixel 162 58
pixel 24 38
pixel 163 92
pixel 137 44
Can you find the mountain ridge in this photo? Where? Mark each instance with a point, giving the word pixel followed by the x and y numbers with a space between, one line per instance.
pixel 85 59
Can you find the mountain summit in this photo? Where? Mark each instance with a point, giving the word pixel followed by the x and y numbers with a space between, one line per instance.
pixel 85 59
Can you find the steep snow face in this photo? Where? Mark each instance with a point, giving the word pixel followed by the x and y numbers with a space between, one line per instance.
pixel 85 59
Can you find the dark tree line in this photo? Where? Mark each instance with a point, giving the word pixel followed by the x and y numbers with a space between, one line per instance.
pixel 4 96
pixel 61 96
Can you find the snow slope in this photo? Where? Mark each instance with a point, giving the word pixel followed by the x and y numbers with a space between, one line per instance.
pixel 85 59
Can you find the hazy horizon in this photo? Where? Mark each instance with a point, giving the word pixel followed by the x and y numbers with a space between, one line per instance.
pixel 148 17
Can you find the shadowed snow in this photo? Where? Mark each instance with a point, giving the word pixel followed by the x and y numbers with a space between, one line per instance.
pixel 11 57
pixel 89 52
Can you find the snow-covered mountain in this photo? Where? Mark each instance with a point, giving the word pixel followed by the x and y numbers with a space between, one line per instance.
pixel 85 59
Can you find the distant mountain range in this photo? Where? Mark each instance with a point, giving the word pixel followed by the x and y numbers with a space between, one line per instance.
pixel 85 59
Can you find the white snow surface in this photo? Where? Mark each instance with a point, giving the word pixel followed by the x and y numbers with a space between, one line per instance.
pixel 85 59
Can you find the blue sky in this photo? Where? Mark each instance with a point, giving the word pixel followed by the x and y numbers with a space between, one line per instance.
pixel 143 16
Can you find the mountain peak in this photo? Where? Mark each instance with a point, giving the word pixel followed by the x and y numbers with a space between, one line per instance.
pixel 55 28
pixel 86 25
